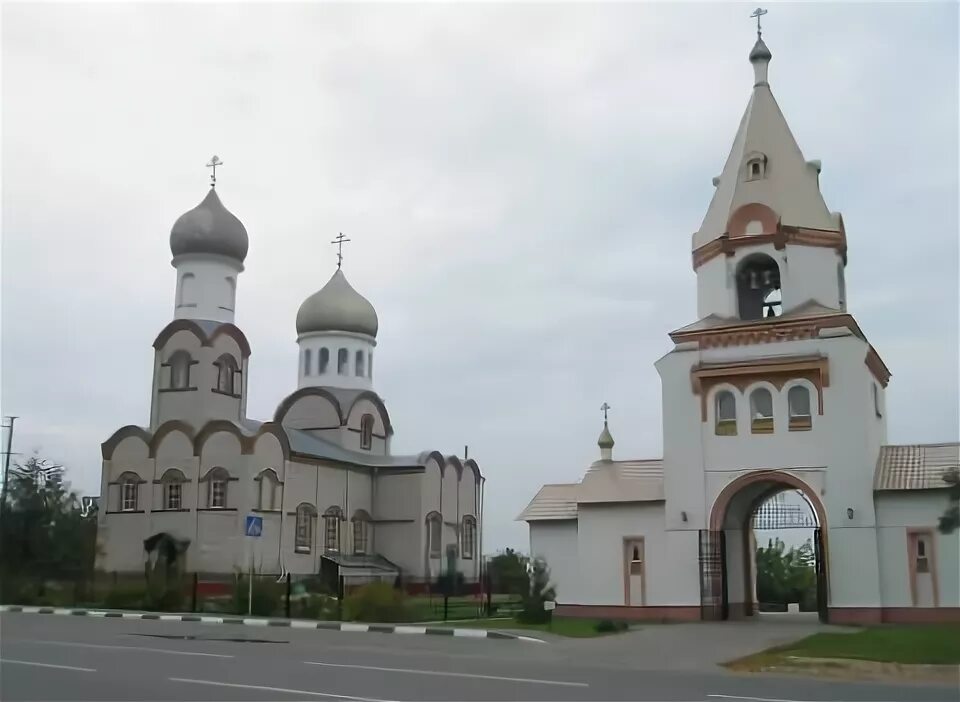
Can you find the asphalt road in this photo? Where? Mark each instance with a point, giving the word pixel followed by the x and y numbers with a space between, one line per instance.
pixel 48 657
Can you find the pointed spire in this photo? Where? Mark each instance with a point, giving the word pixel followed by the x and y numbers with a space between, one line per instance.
pixel 605 442
pixel 760 58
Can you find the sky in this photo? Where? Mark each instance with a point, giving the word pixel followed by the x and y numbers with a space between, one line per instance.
pixel 520 184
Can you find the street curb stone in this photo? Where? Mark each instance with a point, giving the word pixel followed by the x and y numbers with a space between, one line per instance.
pixel 291 623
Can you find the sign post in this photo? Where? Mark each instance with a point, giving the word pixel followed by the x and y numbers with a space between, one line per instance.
pixel 549 606
pixel 253 529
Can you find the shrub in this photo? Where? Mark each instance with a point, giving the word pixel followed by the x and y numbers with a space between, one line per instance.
pixel 375 602
pixel 315 606
pixel 267 595
pixel 127 596
pixel 608 626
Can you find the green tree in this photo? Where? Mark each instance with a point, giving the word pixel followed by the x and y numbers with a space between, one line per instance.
pixel 950 521
pixel 508 573
pixel 539 590
pixel 785 575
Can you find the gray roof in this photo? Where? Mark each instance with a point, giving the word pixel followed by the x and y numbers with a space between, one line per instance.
pixel 305 443
pixel 606 438
pixel 209 228
pixel 915 467
pixel 760 51
pixel 556 501
pixel 337 307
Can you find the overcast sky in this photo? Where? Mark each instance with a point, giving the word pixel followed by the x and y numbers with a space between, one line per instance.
pixel 520 184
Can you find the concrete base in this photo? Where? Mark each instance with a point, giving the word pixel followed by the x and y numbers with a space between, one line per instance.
pixel 894 615
pixel 627 613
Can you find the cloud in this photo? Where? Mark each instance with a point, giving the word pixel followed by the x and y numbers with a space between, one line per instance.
pixel 520 184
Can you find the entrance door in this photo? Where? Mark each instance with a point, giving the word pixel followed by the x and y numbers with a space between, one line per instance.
pixel 713 580
pixel 633 566
pixel 820 567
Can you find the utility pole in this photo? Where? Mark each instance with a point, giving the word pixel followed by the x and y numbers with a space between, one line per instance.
pixel 6 465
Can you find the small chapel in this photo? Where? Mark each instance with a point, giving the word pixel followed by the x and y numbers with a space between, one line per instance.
pixel 774 388
pixel 332 496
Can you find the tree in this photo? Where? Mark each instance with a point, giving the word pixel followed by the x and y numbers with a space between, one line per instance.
pixel 785 576
pixel 539 590
pixel 508 573
pixel 950 521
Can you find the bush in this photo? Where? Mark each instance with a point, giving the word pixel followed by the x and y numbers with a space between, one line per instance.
pixel 315 606
pixel 609 626
pixel 127 596
pixel 375 602
pixel 267 596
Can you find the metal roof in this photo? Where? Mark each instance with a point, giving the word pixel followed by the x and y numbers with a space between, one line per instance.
pixel 554 501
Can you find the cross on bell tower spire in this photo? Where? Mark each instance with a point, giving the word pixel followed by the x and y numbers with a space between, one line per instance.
pixel 214 162
pixel 758 13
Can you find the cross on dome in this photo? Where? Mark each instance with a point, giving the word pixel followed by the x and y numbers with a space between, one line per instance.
pixel 214 162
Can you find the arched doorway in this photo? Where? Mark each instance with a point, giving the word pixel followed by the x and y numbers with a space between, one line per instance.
pixel 728 568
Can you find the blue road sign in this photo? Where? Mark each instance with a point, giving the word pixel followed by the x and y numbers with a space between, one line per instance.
pixel 254 525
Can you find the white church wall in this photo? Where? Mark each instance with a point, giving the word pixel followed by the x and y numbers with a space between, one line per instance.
pixel 715 295
pixel 399 513
pixel 854 570
pixel 810 273
pixel 450 495
pixel 209 292
pixel 556 542
pixel 600 533
pixel 896 513
pixel 310 375
pixel 351 440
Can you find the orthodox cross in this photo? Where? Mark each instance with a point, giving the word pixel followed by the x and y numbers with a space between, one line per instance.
pixel 214 162
pixel 758 13
pixel 340 241
pixel 604 407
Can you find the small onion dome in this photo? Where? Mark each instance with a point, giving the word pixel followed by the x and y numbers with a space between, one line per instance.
pixel 337 307
pixel 209 228
pixel 760 52
pixel 606 438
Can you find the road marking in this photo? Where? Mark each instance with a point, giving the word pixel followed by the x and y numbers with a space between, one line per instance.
pixel 753 699
pixel 451 675
pixel 49 665
pixel 277 689
pixel 130 648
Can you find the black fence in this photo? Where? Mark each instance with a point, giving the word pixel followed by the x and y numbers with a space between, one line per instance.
pixel 265 595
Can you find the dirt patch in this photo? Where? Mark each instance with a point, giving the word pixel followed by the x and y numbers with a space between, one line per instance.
pixel 846 669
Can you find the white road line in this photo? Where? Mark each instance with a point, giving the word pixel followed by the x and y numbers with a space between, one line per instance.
pixel 129 648
pixel 277 689
pixel 752 699
pixel 49 665
pixel 412 671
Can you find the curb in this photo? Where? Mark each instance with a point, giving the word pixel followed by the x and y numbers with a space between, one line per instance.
pixel 289 623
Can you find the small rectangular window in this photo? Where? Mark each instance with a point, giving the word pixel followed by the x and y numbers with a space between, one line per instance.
pixel 306 361
pixel 331 532
pixel 343 360
pixel 174 494
pixel 128 497
pixel 360 536
pixel 218 493
pixel 358 364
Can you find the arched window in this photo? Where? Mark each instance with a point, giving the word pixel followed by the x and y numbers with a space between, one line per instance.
pixel 303 537
pixel 756 166
pixel 323 360
pixel 217 480
pixel 468 542
pixel 798 401
pixel 331 528
pixel 726 414
pixel 366 431
pixel 758 288
pixel 268 485
pixel 188 291
pixel 761 411
pixel 307 360
pixel 370 364
pixel 129 492
pixel 361 527
pixel 841 287
pixel 172 482
pixel 231 293
pixel 434 534
pixel 226 374
pixel 358 364
pixel 180 363
pixel 343 360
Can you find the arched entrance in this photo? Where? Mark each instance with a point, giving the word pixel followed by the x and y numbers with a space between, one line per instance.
pixel 728 546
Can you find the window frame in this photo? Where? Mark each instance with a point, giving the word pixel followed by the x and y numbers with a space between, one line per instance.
pixel 323 360
pixel 343 361
pixel 366 432
pixel 331 529
pixel 227 370
pixel 179 361
pixel 359 365
pixel 134 487
pixel 304 529
pixel 762 424
pixel 270 477
pixel 468 540
pixel 434 524
pixel 797 421
pixel 307 361
pixel 724 426
pixel 361 533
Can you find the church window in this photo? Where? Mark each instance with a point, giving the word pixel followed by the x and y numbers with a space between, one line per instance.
pixel 129 492
pixel 217 480
pixel 469 539
pixel 226 374
pixel 761 411
pixel 358 364
pixel 756 166
pixel 726 422
pixel 361 522
pixel 758 288
pixel 188 291
pixel 172 482
pixel 307 360
pixel 303 537
pixel 269 485
pixel 798 402
pixel 343 361
pixel 370 364
pixel 323 360
pixel 434 534
pixel 366 431
pixel 331 529
pixel 179 364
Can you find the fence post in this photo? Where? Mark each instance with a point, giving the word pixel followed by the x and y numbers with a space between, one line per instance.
pixel 446 605
pixel 193 594
pixel 287 608
pixel 340 598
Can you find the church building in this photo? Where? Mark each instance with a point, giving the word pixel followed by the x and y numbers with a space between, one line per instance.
pixel 775 387
pixel 320 473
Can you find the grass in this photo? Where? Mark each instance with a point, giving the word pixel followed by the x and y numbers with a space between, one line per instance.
pixel 562 626
pixel 935 644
